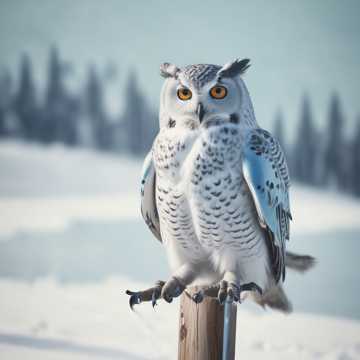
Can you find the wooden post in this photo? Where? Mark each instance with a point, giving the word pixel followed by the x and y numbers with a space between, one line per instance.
pixel 201 329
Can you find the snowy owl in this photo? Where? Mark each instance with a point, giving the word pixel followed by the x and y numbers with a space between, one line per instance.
pixel 215 191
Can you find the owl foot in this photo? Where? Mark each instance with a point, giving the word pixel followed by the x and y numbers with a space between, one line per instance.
pixel 173 288
pixel 222 291
pixel 228 291
pixel 152 294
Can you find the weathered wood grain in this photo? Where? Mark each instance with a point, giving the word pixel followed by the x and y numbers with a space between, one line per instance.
pixel 201 329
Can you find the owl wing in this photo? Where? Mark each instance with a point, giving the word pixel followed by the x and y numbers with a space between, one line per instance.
pixel 148 203
pixel 266 173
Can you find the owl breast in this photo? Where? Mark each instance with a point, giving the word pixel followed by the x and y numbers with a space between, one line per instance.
pixel 203 201
pixel 170 151
pixel 219 198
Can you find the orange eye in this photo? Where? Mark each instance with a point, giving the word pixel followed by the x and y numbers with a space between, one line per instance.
pixel 218 92
pixel 184 94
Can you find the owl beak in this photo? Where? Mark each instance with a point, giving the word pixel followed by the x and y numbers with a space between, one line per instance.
pixel 200 111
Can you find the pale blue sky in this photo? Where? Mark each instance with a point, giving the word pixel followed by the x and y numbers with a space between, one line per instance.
pixel 294 45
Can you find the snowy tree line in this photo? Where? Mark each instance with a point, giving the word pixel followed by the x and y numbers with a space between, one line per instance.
pixel 80 119
pixel 320 158
pixel 326 157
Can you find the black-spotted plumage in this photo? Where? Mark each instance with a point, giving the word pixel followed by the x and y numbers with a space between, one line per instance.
pixel 266 172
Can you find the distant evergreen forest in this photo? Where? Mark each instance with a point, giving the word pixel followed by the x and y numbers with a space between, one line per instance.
pixel 326 158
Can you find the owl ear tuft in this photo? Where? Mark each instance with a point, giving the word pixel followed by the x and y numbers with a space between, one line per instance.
pixel 234 68
pixel 169 70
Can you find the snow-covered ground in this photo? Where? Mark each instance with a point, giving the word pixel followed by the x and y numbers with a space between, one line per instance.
pixel 44 320
pixel 46 190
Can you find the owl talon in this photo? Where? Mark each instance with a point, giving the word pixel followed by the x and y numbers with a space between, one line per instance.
pixel 168 298
pixel 173 288
pixel 135 298
pixel 230 297
pixel 222 292
pixel 198 297
pixel 154 297
pixel 228 292
pixel 156 294
pixel 234 292
pixel 152 294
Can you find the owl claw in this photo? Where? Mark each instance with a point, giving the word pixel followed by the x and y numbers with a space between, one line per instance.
pixel 135 298
pixel 152 294
pixel 198 297
pixel 222 291
pixel 173 288
pixel 153 301
pixel 228 292
pixel 155 295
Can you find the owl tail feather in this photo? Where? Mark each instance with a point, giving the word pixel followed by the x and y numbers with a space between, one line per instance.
pixel 299 263
pixel 275 298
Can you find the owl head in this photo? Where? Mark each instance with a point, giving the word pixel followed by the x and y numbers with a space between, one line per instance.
pixel 195 95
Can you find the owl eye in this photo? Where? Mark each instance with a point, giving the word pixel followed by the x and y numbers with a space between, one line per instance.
pixel 184 94
pixel 218 92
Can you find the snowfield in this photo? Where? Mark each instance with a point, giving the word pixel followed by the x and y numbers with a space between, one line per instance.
pixel 45 320
pixel 47 189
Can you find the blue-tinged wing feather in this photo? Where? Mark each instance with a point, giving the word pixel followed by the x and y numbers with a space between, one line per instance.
pixel 266 173
pixel 148 202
